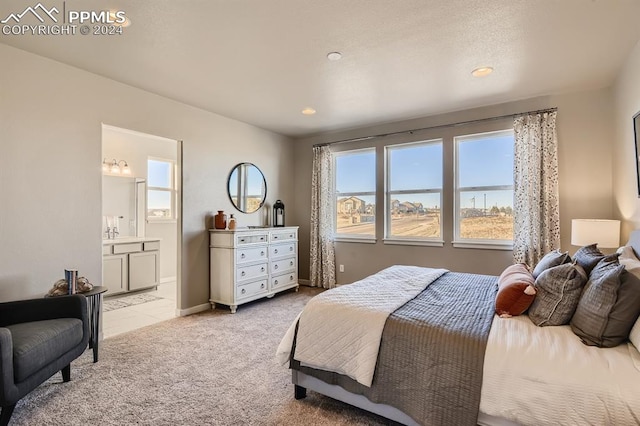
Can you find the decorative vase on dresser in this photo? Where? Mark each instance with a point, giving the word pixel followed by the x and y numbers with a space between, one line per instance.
pixel 251 263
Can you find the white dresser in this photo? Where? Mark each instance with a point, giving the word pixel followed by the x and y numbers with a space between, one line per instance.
pixel 249 264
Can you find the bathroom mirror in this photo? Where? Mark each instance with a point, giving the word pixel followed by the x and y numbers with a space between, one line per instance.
pixel 247 187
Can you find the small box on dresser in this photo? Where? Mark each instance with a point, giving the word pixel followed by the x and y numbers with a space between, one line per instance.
pixel 251 263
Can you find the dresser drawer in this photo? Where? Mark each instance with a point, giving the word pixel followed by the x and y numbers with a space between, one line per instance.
pixel 279 250
pixel 244 273
pixel 251 254
pixel 284 280
pixel 251 289
pixel 251 239
pixel 283 236
pixel 284 265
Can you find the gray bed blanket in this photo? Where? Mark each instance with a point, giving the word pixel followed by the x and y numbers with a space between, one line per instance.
pixel 432 352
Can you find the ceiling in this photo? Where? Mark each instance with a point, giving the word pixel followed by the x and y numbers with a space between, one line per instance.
pixel 263 61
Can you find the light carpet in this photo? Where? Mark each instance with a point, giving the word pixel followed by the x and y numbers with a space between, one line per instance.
pixel 111 304
pixel 213 368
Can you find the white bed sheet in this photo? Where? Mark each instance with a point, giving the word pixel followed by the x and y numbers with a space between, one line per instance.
pixel 547 376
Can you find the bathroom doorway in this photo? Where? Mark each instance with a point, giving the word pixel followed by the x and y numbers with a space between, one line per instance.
pixel 141 229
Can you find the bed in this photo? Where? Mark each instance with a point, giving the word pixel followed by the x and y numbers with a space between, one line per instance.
pixel 444 357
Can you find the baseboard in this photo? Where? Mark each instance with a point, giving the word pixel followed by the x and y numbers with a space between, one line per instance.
pixel 193 310
pixel 304 282
pixel 167 280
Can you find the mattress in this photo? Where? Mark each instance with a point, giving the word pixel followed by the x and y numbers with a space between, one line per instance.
pixel 547 376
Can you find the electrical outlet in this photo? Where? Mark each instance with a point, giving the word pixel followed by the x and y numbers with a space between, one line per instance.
pixel 341 268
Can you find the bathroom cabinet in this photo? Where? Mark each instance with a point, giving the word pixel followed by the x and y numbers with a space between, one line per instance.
pixel 130 263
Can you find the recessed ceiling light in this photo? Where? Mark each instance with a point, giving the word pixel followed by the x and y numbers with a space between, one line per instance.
pixel 117 17
pixel 308 111
pixel 334 56
pixel 482 71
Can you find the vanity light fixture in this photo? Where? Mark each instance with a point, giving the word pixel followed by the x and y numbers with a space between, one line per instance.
pixel 482 71
pixel 308 111
pixel 116 167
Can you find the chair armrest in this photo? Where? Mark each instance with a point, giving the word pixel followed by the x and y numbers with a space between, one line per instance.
pixel 19 311
pixel 8 390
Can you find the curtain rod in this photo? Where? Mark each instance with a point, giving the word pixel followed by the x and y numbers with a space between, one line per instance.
pixel 461 123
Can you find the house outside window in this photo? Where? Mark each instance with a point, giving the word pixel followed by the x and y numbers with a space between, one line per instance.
pixel 484 189
pixel 413 198
pixel 355 189
pixel 161 190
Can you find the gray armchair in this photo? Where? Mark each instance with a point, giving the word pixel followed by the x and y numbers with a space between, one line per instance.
pixel 38 338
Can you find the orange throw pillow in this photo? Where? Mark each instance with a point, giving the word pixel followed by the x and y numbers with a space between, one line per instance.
pixel 516 291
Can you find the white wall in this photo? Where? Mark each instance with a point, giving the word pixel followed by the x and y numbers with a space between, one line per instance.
pixel 50 170
pixel 626 94
pixel 584 126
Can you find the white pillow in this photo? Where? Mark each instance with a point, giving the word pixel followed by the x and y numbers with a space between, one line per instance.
pixel 634 336
pixel 629 260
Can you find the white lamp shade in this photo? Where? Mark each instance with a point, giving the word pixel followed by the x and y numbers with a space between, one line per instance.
pixel 604 232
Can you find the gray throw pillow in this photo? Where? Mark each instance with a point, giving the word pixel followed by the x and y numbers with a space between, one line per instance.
pixel 588 257
pixel 551 259
pixel 609 305
pixel 558 293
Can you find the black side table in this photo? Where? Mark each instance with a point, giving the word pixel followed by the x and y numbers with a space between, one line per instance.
pixel 94 303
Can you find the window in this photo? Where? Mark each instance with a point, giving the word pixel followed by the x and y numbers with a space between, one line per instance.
pixel 484 188
pixel 414 191
pixel 355 180
pixel 161 192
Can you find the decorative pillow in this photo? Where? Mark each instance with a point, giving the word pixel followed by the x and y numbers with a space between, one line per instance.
pixel 629 260
pixel 551 259
pixel 609 306
pixel 515 291
pixel 634 336
pixel 558 293
pixel 588 257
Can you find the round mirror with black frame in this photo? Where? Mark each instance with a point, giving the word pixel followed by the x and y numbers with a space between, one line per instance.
pixel 247 187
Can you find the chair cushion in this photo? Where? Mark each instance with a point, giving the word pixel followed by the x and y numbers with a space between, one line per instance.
pixel 36 344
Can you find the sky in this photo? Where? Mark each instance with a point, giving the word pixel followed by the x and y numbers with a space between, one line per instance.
pixel 482 161
pixel 159 175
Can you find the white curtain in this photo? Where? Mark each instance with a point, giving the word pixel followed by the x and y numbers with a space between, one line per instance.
pixel 323 258
pixel 536 210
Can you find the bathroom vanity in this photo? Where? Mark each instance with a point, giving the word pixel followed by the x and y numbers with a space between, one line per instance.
pixel 130 264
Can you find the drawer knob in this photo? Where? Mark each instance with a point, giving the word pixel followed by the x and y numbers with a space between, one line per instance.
pixel 262 253
pixel 262 285
pixel 291 277
pixel 275 237
pixel 276 282
pixel 242 240
pixel 290 235
pixel 262 269
pixel 276 251
pixel 242 256
pixel 291 248
pixel 243 291
pixel 242 273
pixel 291 263
pixel 261 238
pixel 275 266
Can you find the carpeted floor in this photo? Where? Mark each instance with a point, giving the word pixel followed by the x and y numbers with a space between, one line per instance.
pixel 213 368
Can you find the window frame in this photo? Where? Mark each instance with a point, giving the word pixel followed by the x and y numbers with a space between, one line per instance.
pixel 388 193
pixel 172 190
pixel 359 238
pixel 458 241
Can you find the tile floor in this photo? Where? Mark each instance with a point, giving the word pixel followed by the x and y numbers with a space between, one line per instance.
pixel 133 317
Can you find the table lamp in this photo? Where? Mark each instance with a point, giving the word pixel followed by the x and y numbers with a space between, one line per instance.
pixel 604 232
